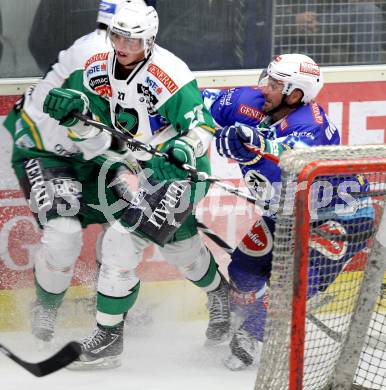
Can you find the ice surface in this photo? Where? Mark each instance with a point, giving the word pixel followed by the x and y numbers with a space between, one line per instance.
pixel 163 356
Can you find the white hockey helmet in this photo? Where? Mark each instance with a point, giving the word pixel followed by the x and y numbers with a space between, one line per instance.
pixel 133 19
pixel 106 10
pixel 297 71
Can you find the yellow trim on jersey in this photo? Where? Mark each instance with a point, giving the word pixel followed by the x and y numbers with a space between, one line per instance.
pixel 34 130
pixel 254 161
pixel 73 136
pixel 211 130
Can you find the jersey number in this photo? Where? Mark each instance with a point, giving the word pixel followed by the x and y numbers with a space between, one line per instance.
pixel 195 116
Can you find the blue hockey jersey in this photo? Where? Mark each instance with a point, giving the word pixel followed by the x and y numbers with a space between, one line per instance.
pixel 304 127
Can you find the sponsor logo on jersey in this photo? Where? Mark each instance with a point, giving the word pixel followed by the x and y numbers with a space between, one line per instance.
pixel 323 240
pixel 96 69
pixel 98 81
pixel 65 187
pixel 39 197
pixel 154 86
pixel 250 112
pixel 258 241
pixel 95 58
pixel 226 99
pixel 307 134
pixel 167 204
pixel 104 90
pixel 316 113
pixel 148 97
pixel 259 184
pixel 330 129
pixel 170 85
pixel 60 149
pixel 309 68
pixel 284 124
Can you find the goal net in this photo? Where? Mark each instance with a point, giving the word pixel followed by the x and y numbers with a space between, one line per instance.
pixel 326 324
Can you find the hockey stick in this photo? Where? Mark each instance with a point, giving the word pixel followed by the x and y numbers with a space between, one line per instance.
pixel 62 358
pixel 336 336
pixel 196 175
pixel 215 238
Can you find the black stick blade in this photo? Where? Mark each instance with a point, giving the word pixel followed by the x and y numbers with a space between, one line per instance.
pixel 62 358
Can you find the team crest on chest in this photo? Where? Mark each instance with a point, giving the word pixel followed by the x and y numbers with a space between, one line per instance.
pixel 126 119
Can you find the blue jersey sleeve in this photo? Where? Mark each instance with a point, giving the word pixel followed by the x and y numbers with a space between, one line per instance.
pixel 238 105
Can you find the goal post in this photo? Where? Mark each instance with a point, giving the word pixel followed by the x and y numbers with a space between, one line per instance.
pixel 326 323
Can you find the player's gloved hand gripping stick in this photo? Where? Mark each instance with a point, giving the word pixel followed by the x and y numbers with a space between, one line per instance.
pixel 193 173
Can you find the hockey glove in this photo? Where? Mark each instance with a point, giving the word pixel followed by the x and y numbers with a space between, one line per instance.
pixel 61 103
pixel 240 143
pixel 179 153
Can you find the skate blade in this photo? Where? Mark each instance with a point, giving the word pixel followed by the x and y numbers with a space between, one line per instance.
pixel 105 363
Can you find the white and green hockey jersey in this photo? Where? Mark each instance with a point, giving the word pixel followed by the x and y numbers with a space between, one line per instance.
pixel 156 102
pixel 35 130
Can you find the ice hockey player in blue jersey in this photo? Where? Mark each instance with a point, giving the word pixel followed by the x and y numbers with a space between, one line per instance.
pixel 258 124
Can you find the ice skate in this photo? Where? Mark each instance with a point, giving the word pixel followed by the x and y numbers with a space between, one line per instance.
pixel 43 321
pixel 219 314
pixel 245 351
pixel 102 349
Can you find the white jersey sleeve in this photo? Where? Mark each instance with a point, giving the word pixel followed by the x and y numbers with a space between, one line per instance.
pixel 67 72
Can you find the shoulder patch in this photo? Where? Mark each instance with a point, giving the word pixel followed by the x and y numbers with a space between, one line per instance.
pixel 164 78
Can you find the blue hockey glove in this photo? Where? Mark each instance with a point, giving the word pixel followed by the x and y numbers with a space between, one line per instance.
pixel 240 143
pixel 180 152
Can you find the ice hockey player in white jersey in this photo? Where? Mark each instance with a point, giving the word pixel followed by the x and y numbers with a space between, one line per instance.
pixel 50 167
pixel 137 81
